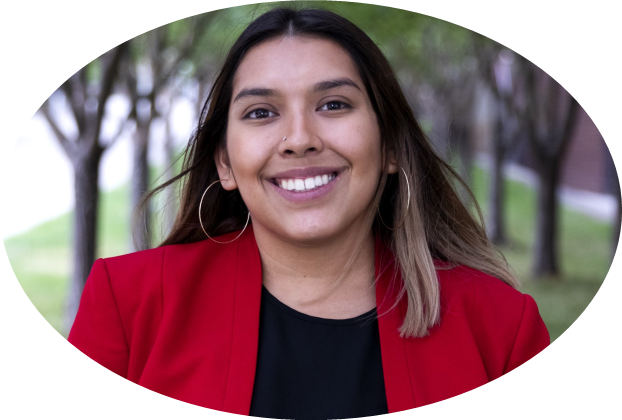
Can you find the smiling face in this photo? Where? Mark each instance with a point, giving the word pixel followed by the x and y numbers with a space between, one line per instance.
pixel 320 182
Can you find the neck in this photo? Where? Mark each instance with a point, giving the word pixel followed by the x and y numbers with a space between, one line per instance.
pixel 327 278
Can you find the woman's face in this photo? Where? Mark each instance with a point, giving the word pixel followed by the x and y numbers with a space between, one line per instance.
pixel 320 181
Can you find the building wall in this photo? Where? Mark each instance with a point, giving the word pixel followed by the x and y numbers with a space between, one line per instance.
pixel 584 166
pixel 587 164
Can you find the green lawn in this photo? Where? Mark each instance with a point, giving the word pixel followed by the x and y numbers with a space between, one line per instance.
pixel 41 256
pixel 585 255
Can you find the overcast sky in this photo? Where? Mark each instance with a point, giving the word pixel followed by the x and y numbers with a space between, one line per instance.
pixel 42 184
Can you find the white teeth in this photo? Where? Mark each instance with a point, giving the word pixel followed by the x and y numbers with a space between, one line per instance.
pixel 305 184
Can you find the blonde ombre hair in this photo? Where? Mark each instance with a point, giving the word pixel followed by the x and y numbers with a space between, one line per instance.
pixel 437 228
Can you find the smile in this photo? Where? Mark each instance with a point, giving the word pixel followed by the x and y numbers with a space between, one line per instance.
pixel 305 184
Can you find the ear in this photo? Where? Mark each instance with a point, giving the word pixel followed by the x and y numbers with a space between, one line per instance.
pixel 227 180
pixel 391 166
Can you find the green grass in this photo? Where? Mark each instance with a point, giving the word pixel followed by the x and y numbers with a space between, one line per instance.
pixel 41 257
pixel 584 254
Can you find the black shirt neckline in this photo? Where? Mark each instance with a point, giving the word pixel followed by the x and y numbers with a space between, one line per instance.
pixel 367 316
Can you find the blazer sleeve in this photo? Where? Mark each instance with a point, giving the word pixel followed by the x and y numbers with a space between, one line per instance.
pixel 532 336
pixel 97 330
pixel 505 323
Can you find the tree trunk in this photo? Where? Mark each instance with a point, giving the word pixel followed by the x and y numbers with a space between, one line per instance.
pixel 170 208
pixel 460 147
pixel 86 176
pixel 496 222
pixel 552 117
pixel 465 150
pixel 440 131
pixel 140 183
pixel 546 261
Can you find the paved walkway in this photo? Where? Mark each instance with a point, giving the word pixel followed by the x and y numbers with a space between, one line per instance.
pixel 599 206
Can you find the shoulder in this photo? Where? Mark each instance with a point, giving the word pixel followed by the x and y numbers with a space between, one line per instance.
pixel 505 323
pixel 489 304
pixel 476 290
pixel 136 272
pixel 140 262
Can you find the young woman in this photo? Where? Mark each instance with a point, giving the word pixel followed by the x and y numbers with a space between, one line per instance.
pixel 321 264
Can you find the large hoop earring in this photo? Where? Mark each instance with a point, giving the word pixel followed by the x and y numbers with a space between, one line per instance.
pixel 201 221
pixel 407 205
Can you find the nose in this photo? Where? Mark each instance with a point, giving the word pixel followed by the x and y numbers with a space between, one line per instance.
pixel 303 138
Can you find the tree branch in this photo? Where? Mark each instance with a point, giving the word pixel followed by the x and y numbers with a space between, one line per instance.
pixel 65 143
pixel 532 111
pixel 122 127
pixel 110 67
pixel 568 125
pixel 188 46
pixel 75 92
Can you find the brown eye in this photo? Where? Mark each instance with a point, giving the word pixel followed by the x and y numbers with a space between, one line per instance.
pixel 258 114
pixel 334 106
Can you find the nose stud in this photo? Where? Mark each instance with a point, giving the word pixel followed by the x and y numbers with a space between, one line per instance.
pixel 284 138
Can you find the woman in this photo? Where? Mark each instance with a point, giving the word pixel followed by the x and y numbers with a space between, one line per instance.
pixel 321 264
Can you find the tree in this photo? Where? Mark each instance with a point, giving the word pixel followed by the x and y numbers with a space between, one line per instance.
pixel 550 118
pixel 498 72
pixel 87 92
pixel 453 71
pixel 154 64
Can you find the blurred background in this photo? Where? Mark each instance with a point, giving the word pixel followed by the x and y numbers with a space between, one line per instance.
pixel 540 170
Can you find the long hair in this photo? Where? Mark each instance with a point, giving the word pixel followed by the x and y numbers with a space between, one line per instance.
pixel 437 227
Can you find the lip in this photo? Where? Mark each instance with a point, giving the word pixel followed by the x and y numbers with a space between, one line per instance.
pixel 304 196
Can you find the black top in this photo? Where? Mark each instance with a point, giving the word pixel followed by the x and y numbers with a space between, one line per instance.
pixel 316 368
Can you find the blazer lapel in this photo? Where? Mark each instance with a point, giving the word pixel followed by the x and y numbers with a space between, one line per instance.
pixel 420 371
pixel 245 337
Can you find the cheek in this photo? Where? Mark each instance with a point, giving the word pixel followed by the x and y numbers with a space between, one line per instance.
pixel 361 144
pixel 247 154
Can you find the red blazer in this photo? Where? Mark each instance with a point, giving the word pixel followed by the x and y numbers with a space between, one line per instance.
pixel 183 320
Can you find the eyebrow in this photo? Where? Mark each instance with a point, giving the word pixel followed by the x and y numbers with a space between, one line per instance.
pixel 318 87
pixel 255 92
pixel 331 84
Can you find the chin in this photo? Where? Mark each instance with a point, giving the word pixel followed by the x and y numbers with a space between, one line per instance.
pixel 313 233
pixel 309 236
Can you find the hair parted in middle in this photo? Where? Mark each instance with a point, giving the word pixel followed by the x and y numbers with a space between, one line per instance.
pixel 438 230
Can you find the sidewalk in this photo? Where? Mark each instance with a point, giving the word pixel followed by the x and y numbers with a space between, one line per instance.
pixel 599 206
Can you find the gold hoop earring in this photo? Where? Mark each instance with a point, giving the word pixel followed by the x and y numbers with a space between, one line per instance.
pixel 201 221
pixel 407 205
